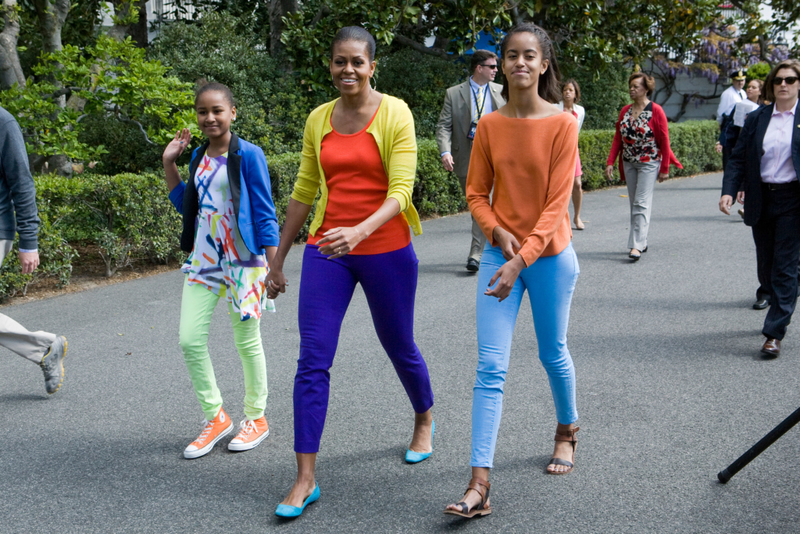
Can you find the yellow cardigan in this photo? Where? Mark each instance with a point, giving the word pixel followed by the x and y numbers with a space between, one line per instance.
pixel 393 130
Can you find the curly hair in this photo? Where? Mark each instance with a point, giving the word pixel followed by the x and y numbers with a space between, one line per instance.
pixel 648 82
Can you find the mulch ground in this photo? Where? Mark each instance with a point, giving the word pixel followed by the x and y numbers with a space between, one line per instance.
pixel 88 272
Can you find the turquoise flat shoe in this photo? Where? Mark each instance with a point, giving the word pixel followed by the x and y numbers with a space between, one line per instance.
pixel 416 457
pixel 284 510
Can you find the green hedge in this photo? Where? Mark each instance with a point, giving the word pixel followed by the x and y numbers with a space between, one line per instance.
pixel 126 217
pixel 129 216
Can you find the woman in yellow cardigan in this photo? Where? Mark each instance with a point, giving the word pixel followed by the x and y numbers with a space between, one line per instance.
pixel 360 151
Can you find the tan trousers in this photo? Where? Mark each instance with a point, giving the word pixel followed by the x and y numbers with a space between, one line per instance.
pixel 478 239
pixel 17 338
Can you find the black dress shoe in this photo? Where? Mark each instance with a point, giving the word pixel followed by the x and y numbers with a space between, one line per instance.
pixel 771 348
pixel 761 304
pixel 473 265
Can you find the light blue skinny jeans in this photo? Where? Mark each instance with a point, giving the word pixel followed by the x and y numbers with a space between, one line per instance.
pixel 550 282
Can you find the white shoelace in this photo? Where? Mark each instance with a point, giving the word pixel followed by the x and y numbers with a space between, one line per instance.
pixel 207 427
pixel 247 427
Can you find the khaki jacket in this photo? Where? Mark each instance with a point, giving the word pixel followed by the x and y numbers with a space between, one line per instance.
pixel 454 121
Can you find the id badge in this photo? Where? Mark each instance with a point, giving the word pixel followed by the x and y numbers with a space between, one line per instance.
pixel 472 128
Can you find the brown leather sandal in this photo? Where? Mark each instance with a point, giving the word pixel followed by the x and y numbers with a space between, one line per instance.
pixel 482 488
pixel 570 437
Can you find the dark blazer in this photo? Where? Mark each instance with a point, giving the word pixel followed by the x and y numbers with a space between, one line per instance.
pixel 252 197
pixel 744 164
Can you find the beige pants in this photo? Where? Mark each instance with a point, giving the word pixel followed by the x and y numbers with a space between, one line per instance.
pixel 478 239
pixel 17 338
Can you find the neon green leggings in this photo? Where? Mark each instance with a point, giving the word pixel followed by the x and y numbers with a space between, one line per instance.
pixel 197 306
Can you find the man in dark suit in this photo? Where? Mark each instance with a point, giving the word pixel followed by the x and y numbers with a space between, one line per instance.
pixel 766 164
pixel 464 105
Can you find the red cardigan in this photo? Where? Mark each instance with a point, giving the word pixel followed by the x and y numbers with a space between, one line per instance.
pixel 658 123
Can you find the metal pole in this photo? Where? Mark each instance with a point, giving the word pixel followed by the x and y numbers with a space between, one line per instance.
pixel 726 474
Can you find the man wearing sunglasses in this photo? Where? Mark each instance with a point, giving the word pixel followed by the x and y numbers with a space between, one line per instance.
pixel 464 105
pixel 765 164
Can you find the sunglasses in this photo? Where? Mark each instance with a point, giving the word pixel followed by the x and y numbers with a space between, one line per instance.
pixel 494 67
pixel 790 80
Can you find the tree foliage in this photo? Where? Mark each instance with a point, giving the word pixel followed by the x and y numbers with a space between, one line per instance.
pixel 109 79
pixel 272 106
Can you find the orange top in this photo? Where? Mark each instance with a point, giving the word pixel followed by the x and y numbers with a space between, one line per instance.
pixel 530 164
pixel 357 187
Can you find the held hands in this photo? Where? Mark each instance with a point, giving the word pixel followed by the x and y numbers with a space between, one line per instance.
pixel 29 261
pixel 276 283
pixel 610 173
pixel 725 203
pixel 337 242
pixel 176 147
pixel 447 162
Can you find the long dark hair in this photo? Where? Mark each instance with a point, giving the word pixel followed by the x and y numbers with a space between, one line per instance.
pixel 574 83
pixel 549 82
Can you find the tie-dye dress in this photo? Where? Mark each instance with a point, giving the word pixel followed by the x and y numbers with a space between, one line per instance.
pixel 220 259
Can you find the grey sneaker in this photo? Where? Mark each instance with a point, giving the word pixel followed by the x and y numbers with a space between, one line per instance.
pixel 53 364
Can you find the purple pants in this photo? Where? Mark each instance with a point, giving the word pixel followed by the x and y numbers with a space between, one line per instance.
pixel 389 281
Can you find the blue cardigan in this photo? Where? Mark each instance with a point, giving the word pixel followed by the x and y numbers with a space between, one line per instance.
pixel 252 197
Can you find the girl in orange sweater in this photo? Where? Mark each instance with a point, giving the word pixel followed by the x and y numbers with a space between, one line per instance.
pixel 526 152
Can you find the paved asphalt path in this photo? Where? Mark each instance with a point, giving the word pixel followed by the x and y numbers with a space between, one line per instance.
pixel 671 389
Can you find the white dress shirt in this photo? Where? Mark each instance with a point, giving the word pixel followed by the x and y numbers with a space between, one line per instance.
pixel 482 92
pixel 729 98
pixel 776 163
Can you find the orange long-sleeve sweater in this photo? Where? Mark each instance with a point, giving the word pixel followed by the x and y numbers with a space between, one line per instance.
pixel 530 164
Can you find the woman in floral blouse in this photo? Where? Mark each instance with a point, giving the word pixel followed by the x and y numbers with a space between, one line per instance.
pixel 642 143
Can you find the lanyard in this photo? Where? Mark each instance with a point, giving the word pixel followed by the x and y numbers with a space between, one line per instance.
pixel 483 101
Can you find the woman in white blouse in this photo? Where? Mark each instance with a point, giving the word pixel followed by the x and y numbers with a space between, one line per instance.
pixel 571 95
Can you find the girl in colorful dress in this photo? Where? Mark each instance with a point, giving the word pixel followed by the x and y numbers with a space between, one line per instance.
pixel 642 143
pixel 518 188
pixel 571 95
pixel 228 224
pixel 360 151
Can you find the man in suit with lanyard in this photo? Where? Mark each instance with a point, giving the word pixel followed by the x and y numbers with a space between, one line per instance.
pixel 727 100
pixel 464 105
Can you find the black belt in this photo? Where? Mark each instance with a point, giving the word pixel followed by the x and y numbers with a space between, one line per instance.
pixel 780 187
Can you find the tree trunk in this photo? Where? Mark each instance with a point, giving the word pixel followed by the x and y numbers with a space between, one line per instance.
pixel 52 14
pixel 10 68
pixel 138 31
pixel 277 10
pixel 135 30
